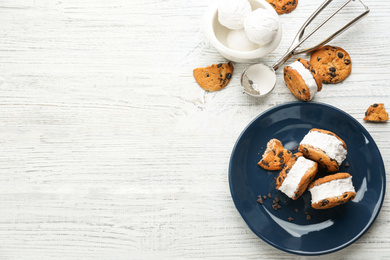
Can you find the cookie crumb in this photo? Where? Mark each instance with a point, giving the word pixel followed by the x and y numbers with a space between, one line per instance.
pixel 376 113
pixel 296 210
pixel 290 219
pixel 264 197
pixel 308 217
pixel 260 200
pixel 269 195
pixel 214 77
pixel 346 164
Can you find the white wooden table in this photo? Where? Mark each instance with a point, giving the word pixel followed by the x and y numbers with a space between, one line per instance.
pixel 109 148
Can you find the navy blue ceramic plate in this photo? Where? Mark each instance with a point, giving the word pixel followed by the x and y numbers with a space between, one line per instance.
pixel 328 230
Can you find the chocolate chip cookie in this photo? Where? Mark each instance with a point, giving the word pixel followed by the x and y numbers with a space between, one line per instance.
pixel 376 113
pixel 214 77
pixel 283 6
pixel 275 156
pixel 332 63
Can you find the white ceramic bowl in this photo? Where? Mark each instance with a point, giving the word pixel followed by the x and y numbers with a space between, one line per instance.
pixel 216 34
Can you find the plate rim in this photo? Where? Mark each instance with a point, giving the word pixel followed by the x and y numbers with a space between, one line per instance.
pixel 374 215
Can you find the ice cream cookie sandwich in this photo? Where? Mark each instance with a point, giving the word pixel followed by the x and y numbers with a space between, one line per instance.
pixel 324 147
pixel 275 156
pixel 302 79
pixel 296 176
pixel 332 190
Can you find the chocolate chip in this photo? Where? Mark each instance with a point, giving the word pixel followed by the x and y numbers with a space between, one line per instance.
pixel 219 65
pixel 280 179
pixel 345 195
pixel 324 202
pixel 280 155
pixel 332 69
pixel 318 58
pixel 347 62
pixel 340 55
pixel 294 2
pixel 299 59
pixel 375 105
pixel 228 76
pixel 313 71
pixel 281 160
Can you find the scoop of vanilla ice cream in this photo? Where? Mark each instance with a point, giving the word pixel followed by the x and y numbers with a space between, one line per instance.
pixel 232 13
pixel 237 40
pixel 261 26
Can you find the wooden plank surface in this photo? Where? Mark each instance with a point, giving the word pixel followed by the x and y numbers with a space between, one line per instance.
pixel 109 148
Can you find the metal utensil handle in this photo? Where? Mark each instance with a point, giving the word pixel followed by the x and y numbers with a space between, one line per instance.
pixel 298 41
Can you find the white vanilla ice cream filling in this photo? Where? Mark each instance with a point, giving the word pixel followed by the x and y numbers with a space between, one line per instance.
pixel 331 146
pixel 291 183
pixel 307 77
pixel 331 189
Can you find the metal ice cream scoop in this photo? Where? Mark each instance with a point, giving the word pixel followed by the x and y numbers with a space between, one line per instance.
pixel 259 79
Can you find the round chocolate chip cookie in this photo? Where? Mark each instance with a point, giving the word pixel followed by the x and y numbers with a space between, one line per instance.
pixel 283 6
pixel 332 63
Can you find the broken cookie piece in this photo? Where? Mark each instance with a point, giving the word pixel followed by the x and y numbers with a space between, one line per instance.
pixel 376 113
pixel 275 156
pixel 214 77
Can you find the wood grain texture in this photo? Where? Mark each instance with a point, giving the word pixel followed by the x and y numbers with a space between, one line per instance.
pixel 109 148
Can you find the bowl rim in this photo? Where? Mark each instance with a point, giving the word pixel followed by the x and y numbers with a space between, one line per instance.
pixel 208 19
